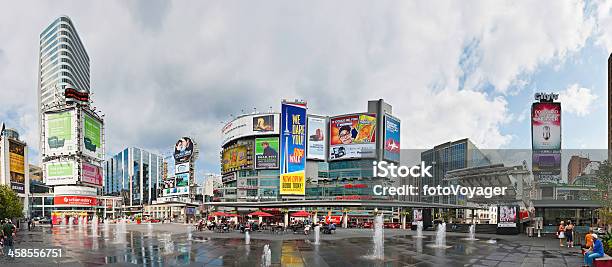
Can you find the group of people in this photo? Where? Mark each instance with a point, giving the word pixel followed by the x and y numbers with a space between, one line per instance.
pixel 593 247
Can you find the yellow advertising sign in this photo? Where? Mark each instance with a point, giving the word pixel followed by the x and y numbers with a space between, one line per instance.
pixel 17 163
pixel 234 158
pixel 293 183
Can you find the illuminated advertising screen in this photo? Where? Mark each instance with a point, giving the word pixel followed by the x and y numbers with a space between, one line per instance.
pixel 17 166
pixel 316 143
pixel 169 183
pixel 91 174
pixel 293 149
pixel 235 158
pixel 182 179
pixel 417 215
pixel 176 191
pixel 546 163
pixel 352 136
pixel 392 139
pixel 546 126
pixel 181 168
pixel 507 216
pixel 263 123
pixel 92 137
pixel 183 150
pixel 250 125
pixel 61 172
pixel 266 153
pixel 60 133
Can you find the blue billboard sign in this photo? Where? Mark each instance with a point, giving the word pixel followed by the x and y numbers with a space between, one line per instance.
pixel 392 139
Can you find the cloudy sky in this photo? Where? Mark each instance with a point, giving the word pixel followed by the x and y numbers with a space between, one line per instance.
pixel 451 69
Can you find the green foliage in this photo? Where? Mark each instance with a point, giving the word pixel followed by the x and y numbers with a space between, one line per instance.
pixel 10 205
pixel 607 242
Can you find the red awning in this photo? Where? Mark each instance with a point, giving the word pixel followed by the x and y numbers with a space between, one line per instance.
pixel 261 214
pixel 300 213
pixel 220 214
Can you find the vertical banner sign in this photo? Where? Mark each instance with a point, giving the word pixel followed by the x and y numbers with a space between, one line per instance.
pixel 293 148
pixel 546 126
pixel 17 166
pixel 392 139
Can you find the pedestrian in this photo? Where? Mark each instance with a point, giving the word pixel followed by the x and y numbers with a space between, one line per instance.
pixel 596 251
pixel 569 234
pixel 9 232
pixel 29 224
pixel 588 241
pixel 561 233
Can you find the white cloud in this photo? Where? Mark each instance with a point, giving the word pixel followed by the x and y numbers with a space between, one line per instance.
pixel 182 68
pixel 577 100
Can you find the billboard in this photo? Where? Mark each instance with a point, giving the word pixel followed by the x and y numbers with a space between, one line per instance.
pixel 546 126
pixel 266 153
pixel 75 190
pixel 182 179
pixel 352 136
pixel 91 174
pixel 181 168
pixel 250 125
pixel 183 150
pixel 263 124
pixel 60 133
pixel 235 158
pixel 507 216
pixel 316 138
pixel 75 200
pixel 169 183
pixel 392 139
pixel 92 137
pixel 176 191
pixel 17 166
pixel 61 172
pixel 546 163
pixel 293 149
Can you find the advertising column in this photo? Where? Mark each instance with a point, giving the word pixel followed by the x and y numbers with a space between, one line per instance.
pixel 293 148
pixel 17 166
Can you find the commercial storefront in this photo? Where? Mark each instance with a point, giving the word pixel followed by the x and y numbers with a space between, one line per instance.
pixel 60 208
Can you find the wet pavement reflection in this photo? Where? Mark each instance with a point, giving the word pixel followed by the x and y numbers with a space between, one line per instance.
pixel 174 244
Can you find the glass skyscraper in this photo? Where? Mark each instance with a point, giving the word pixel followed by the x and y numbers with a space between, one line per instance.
pixel 135 175
pixel 63 62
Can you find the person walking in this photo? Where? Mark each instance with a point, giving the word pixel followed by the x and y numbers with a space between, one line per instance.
pixel 569 234
pixel 561 233
pixel 9 232
pixel 596 251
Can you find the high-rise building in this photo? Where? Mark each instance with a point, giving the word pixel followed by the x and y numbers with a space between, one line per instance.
pixel 610 107
pixel 450 156
pixel 576 167
pixel 135 174
pixel 63 63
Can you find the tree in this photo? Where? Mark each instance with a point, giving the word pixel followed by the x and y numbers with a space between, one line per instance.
pixel 604 185
pixel 10 205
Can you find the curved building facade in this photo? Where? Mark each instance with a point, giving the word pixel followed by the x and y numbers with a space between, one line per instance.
pixel 339 154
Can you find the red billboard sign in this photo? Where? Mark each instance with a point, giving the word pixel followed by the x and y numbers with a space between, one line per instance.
pixel 75 200
pixel 92 174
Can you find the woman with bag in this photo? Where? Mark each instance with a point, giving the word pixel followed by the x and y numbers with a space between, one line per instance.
pixel 561 233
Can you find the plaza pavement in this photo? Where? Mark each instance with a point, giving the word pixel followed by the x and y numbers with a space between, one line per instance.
pixel 177 245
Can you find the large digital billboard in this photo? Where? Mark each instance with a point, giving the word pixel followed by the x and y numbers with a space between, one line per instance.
pixel 181 168
pixel 392 139
pixel 546 163
pixel 92 137
pixel 182 179
pixel 352 136
pixel 546 126
pixel 91 174
pixel 61 172
pixel 316 143
pixel 250 125
pixel 60 133
pixel 17 166
pixel 293 149
pixel 184 190
pixel 183 150
pixel 266 153
pixel 235 158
